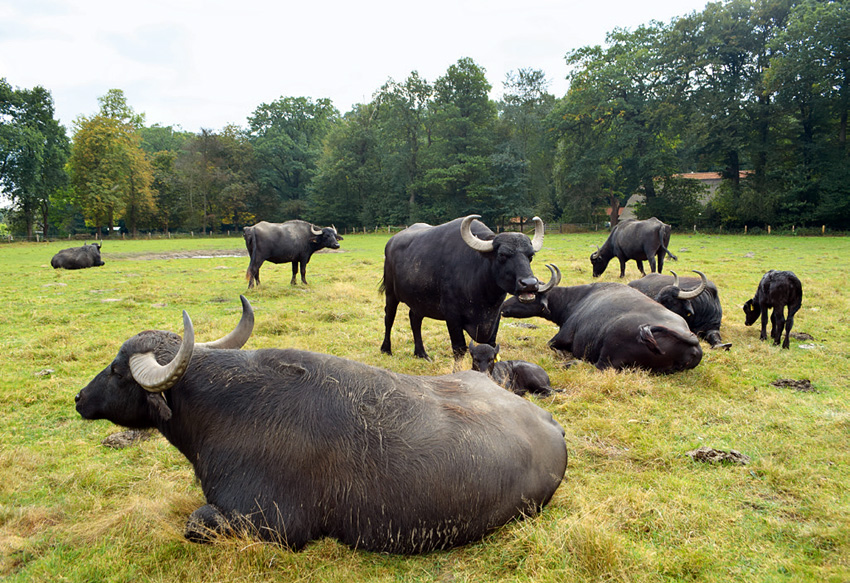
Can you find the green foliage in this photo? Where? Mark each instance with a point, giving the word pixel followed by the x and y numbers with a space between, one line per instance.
pixel 110 174
pixel 754 90
pixel 287 137
pixel 633 506
pixel 33 151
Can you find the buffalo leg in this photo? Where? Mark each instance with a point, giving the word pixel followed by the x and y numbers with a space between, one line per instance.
pixel 660 261
pixel 640 266
pixel 458 340
pixel 651 260
pixel 779 313
pixel 206 523
pixel 294 272
pixel 623 267
pixel 303 267
pixel 416 328
pixel 389 317
pixel 253 273
pixel 789 323
pixel 763 335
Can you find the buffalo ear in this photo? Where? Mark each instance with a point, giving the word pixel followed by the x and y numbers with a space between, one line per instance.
pixel 159 406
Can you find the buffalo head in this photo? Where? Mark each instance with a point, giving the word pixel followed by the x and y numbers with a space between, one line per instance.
pixel 677 300
pixel 538 305
pixel 514 252
pixel 129 391
pixel 326 237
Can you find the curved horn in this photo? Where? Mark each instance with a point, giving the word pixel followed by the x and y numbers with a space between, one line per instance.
pixel 539 231
pixel 691 294
pixel 472 240
pixel 334 228
pixel 675 279
pixel 155 377
pixel 553 281
pixel 240 335
pixel 314 230
pixel 595 254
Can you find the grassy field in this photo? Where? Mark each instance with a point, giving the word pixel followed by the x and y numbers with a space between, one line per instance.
pixel 633 506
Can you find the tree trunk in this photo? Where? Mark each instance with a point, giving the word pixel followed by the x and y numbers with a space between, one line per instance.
pixel 615 210
pixel 45 210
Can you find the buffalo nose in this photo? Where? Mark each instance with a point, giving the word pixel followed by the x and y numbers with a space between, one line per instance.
pixel 77 397
pixel 529 283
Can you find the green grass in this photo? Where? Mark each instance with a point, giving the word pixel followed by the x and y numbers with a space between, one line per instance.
pixel 632 507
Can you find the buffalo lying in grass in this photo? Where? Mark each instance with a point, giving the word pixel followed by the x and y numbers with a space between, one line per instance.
pixel 291 446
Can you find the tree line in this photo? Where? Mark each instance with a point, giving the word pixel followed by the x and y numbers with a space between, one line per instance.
pixel 755 90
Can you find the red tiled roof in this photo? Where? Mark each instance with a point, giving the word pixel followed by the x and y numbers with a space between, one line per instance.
pixel 708 175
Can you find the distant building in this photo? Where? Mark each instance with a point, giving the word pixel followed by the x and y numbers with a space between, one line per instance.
pixel 710 179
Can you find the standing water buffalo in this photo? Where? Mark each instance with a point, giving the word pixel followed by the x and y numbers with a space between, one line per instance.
pixel 633 239
pixel 459 272
pixel 776 290
pixel 518 376
pixel 290 446
pixel 613 326
pixel 292 241
pixel 695 299
pixel 78 257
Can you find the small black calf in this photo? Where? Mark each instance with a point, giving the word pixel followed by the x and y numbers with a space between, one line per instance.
pixel 518 376
pixel 776 290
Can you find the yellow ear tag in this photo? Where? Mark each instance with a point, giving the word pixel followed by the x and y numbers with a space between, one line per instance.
pixel 498 358
pixel 752 308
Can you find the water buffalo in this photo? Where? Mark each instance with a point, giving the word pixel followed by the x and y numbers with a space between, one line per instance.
pixel 776 290
pixel 518 376
pixel 613 326
pixel 292 241
pixel 78 257
pixel 695 299
pixel 459 272
pixel 633 239
pixel 290 446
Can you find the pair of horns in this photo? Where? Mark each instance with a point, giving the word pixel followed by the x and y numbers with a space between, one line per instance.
pixel 317 231
pixel 155 377
pixel 691 294
pixel 487 246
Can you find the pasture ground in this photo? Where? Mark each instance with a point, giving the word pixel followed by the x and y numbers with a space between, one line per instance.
pixel 633 506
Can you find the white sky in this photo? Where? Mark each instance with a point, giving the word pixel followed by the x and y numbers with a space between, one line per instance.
pixel 208 63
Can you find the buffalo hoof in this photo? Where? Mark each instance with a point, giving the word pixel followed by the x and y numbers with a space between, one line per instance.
pixel 205 524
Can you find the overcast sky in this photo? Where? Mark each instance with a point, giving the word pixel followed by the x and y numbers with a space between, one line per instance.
pixel 208 63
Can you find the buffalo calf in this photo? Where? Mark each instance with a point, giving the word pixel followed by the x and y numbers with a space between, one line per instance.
pixel 776 290
pixel 518 376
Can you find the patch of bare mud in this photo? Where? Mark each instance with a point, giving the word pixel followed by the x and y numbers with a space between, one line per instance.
pixel 801 386
pixel 196 254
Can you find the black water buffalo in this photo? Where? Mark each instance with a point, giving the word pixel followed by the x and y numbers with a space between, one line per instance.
pixel 613 326
pixel 459 272
pixel 776 290
pixel 78 257
pixel 695 299
pixel 290 242
pixel 290 446
pixel 633 239
pixel 518 376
